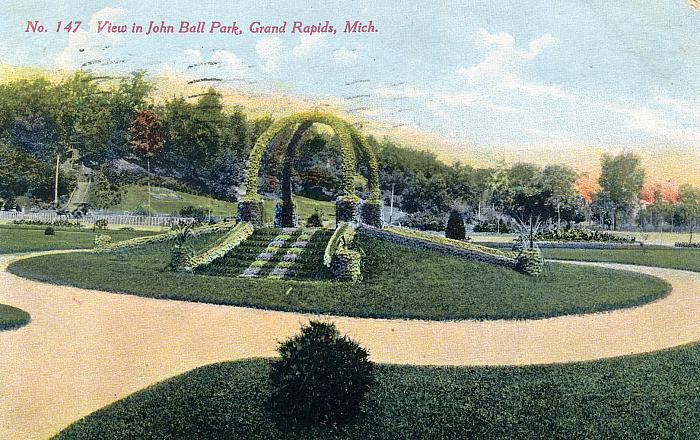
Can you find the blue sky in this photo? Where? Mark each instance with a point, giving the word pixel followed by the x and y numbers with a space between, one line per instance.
pixel 527 74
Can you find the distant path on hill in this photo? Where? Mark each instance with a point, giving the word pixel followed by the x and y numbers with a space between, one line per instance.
pixel 85 349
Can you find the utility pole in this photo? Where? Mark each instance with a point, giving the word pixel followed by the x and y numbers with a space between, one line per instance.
pixel 391 206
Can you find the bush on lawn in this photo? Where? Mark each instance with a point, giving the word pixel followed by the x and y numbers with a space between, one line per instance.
pixel 49 231
pixel 181 251
pixel 314 221
pixel 198 214
pixel 322 377
pixel 455 226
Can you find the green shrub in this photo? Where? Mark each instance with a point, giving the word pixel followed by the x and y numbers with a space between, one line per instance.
pixel 180 251
pixel 499 226
pixel 100 224
pixel 455 226
pixel 49 231
pixel 198 214
pixel 424 221
pixel 101 241
pixel 322 378
pixel 314 220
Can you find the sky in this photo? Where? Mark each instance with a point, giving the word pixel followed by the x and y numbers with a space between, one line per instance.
pixel 531 79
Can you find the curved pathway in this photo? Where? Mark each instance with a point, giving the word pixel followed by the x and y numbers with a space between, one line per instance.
pixel 85 349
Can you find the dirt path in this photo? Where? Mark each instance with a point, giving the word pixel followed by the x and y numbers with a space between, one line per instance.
pixel 85 349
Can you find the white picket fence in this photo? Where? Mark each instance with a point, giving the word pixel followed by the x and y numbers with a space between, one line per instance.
pixel 112 219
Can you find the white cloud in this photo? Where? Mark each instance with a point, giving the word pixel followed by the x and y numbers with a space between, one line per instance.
pixel 270 51
pixel 400 92
pixel 689 109
pixel 468 100
pixel 228 59
pixel 505 64
pixel 193 53
pixel 308 44
pixel 86 45
pixel 346 56
pixel 644 119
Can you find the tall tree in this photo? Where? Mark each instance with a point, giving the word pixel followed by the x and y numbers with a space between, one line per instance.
pixel 146 138
pixel 561 181
pixel 689 206
pixel 621 178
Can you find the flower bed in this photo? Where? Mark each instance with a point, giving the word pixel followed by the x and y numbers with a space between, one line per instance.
pixel 167 236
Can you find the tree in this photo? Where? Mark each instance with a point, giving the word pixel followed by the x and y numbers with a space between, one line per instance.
pixel 146 137
pixel 621 178
pixel 455 226
pixel 689 206
pixel 321 378
pixel 561 181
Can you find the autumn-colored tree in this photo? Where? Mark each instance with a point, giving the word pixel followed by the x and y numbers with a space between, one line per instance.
pixel 146 138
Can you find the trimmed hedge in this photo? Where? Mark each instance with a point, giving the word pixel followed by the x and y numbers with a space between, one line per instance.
pixel 582 235
pixel 449 242
pixel 686 244
pixel 455 226
pixel 222 247
pixel 167 236
pixel 346 266
pixel 530 261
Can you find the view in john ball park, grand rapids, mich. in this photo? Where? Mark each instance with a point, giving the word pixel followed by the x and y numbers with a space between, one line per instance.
pixel 349 220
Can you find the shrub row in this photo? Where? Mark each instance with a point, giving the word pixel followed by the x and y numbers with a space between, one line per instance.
pixel 499 226
pixel 580 234
pixel 443 245
pixel 61 222
pixel 686 244
pixel 167 236
pixel 229 241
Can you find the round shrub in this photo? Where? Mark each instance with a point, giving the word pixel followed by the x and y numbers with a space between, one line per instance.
pixel 322 377
pixel 49 231
pixel 314 221
pixel 455 226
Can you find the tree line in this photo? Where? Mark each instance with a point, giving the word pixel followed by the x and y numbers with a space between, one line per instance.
pixel 50 130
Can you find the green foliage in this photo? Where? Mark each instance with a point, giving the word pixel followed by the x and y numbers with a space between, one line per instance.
pixel 49 231
pixel 682 259
pixel 102 240
pixel 167 236
pixel 398 282
pixel 648 396
pixel 27 238
pixel 315 220
pixel 197 213
pixel 461 244
pixel 498 225
pixel 346 266
pixel 180 253
pixel 340 240
pixel 424 221
pixel 223 246
pixel 530 261
pixel 621 180
pixel 580 234
pixel 347 136
pixel 103 193
pixel 455 226
pixel 321 378
pixel 100 224
pixel 12 317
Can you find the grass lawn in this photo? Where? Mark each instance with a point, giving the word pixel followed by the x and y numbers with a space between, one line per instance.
pixel 399 281
pixel 652 396
pixel 21 238
pixel 137 195
pixel 684 259
pixel 12 317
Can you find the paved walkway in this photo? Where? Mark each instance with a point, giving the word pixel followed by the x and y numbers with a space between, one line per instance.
pixel 85 349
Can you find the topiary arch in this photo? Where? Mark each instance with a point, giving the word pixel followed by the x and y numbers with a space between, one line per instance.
pixel 350 140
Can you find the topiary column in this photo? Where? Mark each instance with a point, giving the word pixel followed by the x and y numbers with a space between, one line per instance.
pixel 372 214
pixel 346 266
pixel 347 210
pixel 530 261
pixel 251 211
pixel 455 226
